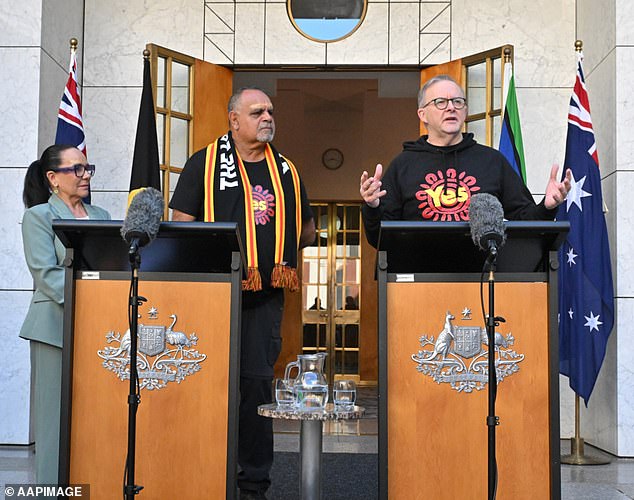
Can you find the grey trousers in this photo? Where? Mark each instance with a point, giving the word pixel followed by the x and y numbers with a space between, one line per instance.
pixel 46 363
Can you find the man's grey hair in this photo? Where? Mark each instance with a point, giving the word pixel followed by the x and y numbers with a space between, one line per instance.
pixel 233 101
pixel 429 83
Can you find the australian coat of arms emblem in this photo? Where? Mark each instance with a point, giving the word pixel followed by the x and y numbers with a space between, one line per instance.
pixel 164 355
pixel 459 356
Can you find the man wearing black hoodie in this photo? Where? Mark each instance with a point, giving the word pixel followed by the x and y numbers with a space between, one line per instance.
pixel 434 177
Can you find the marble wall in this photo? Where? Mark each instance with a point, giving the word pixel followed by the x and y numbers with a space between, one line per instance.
pixel 34 46
pixel 20 32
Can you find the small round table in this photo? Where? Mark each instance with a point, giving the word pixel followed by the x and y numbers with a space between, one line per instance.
pixel 310 442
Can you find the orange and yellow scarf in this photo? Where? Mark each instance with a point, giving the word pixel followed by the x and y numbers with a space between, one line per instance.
pixel 226 178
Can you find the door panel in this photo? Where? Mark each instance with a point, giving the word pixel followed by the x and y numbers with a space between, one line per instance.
pixel 331 284
pixel 213 86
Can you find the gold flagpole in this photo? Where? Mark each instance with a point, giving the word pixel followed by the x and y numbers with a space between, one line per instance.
pixel 73 49
pixel 577 456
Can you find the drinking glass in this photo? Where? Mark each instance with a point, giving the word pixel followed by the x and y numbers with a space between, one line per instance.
pixel 284 396
pixel 312 397
pixel 344 393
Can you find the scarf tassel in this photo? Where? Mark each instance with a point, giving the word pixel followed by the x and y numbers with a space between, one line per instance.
pixel 253 283
pixel 284 277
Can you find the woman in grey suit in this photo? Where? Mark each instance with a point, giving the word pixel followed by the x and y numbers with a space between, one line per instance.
pixel 54 187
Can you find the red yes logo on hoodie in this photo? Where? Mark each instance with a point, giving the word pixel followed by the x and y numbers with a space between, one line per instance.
pixel 445 196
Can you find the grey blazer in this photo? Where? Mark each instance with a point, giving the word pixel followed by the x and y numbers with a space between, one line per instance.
pixel 44 254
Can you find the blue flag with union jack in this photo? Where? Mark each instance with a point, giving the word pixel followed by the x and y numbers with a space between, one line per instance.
pixel 70 125
pixel 586 296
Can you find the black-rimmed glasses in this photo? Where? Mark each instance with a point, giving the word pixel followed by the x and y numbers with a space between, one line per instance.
pixel 442 102
pixel 80 169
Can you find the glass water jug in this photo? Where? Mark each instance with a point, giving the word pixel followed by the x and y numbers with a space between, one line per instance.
pixel 310 387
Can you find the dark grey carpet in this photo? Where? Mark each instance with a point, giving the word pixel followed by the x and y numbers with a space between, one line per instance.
pixel 345 476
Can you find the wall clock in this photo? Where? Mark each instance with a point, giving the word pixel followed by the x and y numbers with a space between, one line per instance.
pixel 332 158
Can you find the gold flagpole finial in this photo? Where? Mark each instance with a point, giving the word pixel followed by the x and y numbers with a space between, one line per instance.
pixel 73 43
pixel 146 54
pixel 578 45
pixel 507 55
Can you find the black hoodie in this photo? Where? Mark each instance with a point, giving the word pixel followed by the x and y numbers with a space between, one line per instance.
pixel 434 183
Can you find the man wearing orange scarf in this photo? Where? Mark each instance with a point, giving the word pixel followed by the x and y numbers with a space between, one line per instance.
pixel 241 178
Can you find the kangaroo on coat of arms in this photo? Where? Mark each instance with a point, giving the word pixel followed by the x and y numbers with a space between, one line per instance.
pixel 459 356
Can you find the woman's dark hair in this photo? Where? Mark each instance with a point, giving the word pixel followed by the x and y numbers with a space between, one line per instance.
pixel 36 186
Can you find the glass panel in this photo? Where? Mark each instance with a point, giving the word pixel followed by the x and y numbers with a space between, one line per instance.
pixel 351 338
pixel 476 89
pixel 351 302
pixel 180 87
pixel 339 362
pixel 160 81
pixel 323 295
pixel 478 128
pixel 497 83
pixel 352 217
pixel 322 335
pixel 179 141
pixel 352 239
pixel 160 135
pixel 340 269
pixel 350 271
pixel 173 179
pixel 322 225
pixel 352 250
pixel 351 362
pixel 323 271
pixel 310 335
pixel 339 216
pixel 310 296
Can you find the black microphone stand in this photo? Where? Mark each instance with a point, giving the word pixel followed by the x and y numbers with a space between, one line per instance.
pixel 134 398
pixel 492 419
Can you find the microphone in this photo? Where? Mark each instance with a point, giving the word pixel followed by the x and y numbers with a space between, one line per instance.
pixel 486 218
pixel 143 218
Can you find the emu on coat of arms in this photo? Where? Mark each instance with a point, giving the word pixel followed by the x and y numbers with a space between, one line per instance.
pixel 457 356
pixel 163 356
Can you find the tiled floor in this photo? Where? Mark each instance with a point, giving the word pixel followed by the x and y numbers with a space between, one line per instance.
pixel 614 481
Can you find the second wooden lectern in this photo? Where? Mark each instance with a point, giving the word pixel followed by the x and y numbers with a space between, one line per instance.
pixel 433 362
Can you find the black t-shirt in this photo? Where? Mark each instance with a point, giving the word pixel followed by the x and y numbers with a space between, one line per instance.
pixel 189 197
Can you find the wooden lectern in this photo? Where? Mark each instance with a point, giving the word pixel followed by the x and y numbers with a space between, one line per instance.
pixel 186 427
pixel 432 362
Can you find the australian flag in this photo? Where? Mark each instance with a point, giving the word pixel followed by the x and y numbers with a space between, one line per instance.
pixel 70 125
pixel 586 297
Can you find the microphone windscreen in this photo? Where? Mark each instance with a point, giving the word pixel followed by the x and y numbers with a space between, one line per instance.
pixel 143 218
pixel 486 218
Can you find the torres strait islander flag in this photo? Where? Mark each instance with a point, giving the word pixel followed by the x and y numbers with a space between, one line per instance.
pixel 511 144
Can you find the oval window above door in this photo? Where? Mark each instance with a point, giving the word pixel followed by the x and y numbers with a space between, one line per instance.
pixel 326 20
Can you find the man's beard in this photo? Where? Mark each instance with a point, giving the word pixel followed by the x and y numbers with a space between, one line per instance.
pixel 266 135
